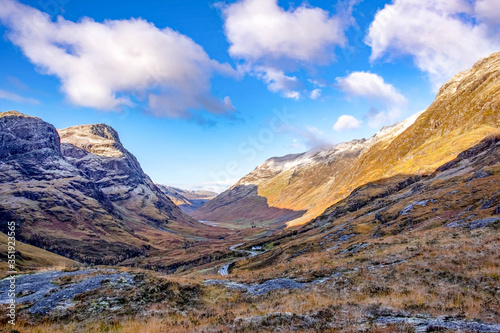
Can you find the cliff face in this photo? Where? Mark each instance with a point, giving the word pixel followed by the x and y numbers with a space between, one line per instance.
pixel 97 152
pixel 466 109
pixel 80 193
pixel 29 149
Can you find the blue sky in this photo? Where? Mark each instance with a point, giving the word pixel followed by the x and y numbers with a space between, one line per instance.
pixel 202 92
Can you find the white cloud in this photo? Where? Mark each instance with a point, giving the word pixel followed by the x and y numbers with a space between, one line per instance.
pixel 346 122
pixel 260 29
pixel 443 36
pixel 216 186
pixel 488 11
pixel 118 62
pixel 315 94
pixel 318 83
pixel 374 88
pixel 213 186
pixel 269 38
pixel 277 81
pixel 369 85
pixel 17 98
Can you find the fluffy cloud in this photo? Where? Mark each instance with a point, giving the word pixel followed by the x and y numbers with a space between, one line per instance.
pixel 17 98
pixel 269 38
pixel 346 122
pixel 260 29
pixel 373 87
pixel 488 11
pixel 369 85
pixel 117 63
pixel 315 94
pixel 443 36
pixel 277 81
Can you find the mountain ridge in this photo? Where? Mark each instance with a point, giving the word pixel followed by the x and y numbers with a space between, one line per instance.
pixel 466 109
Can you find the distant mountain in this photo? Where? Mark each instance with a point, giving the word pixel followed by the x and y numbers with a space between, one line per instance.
pixel 296 188
pixel 188 201
pixel 78 192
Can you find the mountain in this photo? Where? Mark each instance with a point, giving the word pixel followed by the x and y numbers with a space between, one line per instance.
pixel 459 197
pixel 78 192
pixel 297 188
pixel 188 201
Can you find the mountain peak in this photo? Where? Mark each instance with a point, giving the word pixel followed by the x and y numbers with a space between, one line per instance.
pixel 98 139
pixel 472 78
pixel 14 113
pixel 465 110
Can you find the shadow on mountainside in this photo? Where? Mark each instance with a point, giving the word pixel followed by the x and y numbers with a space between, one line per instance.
pixel 244 200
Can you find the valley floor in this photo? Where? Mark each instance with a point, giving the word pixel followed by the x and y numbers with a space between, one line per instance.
pixel 439 279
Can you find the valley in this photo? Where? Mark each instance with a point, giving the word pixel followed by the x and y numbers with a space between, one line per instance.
pixel 396 233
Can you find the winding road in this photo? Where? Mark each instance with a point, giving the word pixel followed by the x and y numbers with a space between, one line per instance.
pixel 224 270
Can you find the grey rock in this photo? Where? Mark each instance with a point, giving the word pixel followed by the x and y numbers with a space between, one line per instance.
pixel 426 324
pixel 45 295
pixel 481 223
pixel 475 224
pixel 409 208
pixel 481 174
pixel 260 289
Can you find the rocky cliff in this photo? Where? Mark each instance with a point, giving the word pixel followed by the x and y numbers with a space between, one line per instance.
pixel 78 192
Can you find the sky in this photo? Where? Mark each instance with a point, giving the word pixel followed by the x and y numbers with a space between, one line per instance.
pixel 202 92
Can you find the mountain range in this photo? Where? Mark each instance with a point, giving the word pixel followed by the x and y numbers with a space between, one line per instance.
pixel 78 192
pixel 395 233
pixel 292 190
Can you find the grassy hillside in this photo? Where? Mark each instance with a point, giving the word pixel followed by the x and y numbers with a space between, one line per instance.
pixel 466 109
pixel 29 258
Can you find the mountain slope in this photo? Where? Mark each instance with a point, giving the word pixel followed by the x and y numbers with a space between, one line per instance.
pixel 188 201
pixel 466 109
pixel 86 198
pixel 29 257
pixel 459 196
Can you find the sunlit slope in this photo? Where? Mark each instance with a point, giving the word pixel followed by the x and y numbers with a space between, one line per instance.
pixel 466 109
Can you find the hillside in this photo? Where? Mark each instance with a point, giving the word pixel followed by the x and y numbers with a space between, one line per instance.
pixel 397 249
pixel 31 258
pixel 188 201
pixel 466 109
pixel 78 192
